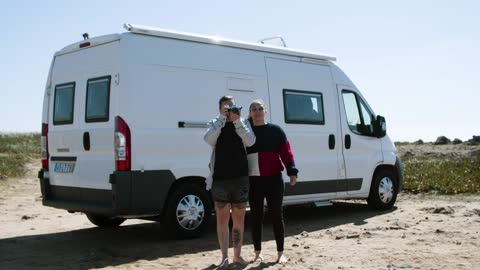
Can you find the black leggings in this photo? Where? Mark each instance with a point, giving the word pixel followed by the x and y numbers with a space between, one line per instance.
pixel 270 188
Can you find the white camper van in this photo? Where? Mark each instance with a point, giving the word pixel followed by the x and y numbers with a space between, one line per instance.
pixel 124 117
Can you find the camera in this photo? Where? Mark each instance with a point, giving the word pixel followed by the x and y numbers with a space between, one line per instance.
pixel 234 109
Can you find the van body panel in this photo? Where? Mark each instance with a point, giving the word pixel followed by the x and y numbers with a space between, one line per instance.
pixel 389 151
pixel 96 41
pixel 389 158
pixel 160 96
pixel 93 165
pixel 340 77
pixel 47 94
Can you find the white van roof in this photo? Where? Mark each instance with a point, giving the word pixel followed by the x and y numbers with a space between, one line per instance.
pixel 153 31
pixel 89 42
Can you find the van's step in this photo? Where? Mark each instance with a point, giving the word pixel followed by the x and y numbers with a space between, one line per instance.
pixel 322 203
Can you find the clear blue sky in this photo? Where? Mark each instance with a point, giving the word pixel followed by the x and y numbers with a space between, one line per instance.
pixel 416 62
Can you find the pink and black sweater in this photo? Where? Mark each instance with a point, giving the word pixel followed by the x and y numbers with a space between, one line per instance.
pixel 270 150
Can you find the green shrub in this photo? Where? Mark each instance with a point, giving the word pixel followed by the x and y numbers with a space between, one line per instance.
pixel 447 175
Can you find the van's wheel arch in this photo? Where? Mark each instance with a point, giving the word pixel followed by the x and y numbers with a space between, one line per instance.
pixel 187 211
pixel 104 221
pixel 383 190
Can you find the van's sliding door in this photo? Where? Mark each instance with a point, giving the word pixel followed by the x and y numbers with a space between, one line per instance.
pixel 303 102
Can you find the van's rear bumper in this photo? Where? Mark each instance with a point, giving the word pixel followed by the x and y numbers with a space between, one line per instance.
pixel 132 193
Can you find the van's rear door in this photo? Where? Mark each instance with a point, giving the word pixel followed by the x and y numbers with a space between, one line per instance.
pixel 81 122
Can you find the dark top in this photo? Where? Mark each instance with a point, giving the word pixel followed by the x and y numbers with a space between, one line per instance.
pixel 273 149
pixel 230 155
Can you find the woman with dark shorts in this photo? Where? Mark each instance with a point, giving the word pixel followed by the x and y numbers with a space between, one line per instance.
pixel 229 134
pixel 265 159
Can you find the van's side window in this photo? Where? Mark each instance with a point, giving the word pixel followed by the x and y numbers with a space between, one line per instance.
pixel 359 117
pixel 303 107
pixel 63 104
pixel 98 99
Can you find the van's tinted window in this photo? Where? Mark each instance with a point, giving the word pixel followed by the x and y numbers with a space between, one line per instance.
pixel 63 104
pixel 303 107
pixel 359 117
pixel 98 99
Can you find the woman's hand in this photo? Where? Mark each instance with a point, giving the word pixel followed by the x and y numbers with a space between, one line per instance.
pixel 233 116
pixel 293 180
pixel 224 111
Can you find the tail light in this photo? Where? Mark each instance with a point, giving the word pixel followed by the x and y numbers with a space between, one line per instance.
pixel 122 145
pixel 44 146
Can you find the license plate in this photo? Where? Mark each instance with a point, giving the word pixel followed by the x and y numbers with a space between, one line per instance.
pixel 64 167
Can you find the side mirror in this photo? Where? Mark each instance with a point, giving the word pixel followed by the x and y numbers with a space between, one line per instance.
pixel 380 127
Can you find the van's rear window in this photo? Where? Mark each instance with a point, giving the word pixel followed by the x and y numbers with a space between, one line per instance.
pixel 98 99
pixel 63 104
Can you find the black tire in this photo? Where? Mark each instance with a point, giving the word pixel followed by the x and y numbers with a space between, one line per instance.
pixel 105 221
pixel 192 200
pixel 383 191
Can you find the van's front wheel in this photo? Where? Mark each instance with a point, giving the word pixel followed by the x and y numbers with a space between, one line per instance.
pixel 384 189
pixel 105 221
pixel 188 211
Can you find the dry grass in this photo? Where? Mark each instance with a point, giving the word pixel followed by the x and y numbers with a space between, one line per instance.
pixel 16 149
pixel 446 175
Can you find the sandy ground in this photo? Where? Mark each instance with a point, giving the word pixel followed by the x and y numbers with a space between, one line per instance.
pixel 420 232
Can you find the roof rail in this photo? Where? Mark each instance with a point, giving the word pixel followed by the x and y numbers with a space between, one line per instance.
pixel 273 38
pixel 219 41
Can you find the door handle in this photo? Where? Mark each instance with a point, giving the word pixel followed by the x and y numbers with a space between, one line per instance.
pixel 86 141
pixel 348 141
pixel 331 141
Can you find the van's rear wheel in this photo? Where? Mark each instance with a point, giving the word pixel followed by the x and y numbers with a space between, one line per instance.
pixel 105 221
pixel 384 190
pixel 188 211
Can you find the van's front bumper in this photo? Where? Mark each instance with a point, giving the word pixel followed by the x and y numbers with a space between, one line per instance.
pixel 132 193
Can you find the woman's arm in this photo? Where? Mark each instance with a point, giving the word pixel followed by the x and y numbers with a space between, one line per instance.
pixel 214 128
pixel 286 154
pixel 244 130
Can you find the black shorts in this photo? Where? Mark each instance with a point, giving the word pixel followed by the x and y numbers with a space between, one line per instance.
pixel 231 190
